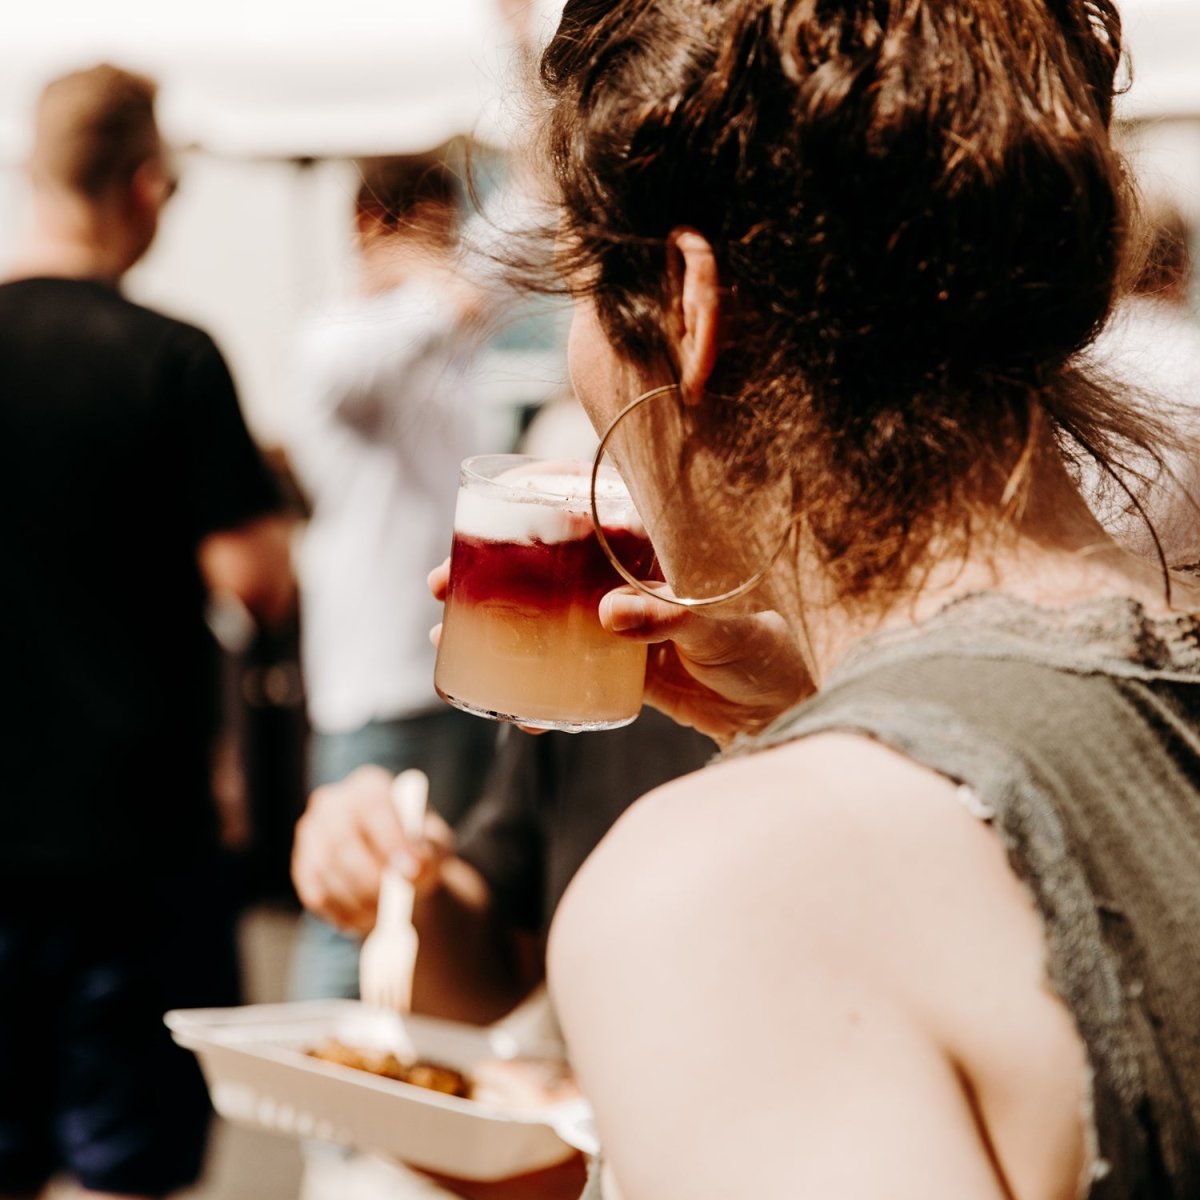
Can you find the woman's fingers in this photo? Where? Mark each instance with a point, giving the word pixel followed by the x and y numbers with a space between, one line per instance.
pixel 439 579
pixel 723 675
pixel 634 614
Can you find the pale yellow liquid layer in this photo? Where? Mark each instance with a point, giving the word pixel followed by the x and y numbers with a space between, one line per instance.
pixel 538 667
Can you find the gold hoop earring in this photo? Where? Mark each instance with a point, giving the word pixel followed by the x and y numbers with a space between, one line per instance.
pixel 681 601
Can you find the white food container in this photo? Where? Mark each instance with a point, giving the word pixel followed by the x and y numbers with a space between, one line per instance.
pixel 258 1074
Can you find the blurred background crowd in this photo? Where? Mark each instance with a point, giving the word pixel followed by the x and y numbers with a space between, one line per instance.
pixel 314 226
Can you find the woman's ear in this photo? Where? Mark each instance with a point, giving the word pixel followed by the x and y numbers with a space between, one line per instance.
pixel 695 286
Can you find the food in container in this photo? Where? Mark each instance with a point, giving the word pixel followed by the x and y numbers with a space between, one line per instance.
pixel 260 1072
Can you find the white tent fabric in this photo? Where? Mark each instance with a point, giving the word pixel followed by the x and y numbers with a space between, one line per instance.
pixel 1163 38
pixel 267 79
pixel 257 87
pixel 313 78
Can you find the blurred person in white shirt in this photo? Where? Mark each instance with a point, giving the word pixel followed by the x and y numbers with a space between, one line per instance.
pixel 383 412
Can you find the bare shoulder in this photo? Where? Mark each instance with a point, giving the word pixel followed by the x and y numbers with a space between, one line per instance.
pixel 832 909
pixel 836 838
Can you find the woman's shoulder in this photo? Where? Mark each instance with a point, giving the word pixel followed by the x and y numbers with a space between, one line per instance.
pixel 833 837
pixel 828 892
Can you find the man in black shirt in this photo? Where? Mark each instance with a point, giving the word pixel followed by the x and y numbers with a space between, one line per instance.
pixel 129 491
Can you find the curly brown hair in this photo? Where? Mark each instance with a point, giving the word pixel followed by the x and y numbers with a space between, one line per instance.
pixel 919 221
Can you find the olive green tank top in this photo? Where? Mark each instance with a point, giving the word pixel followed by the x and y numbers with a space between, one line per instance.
pixel 1076 734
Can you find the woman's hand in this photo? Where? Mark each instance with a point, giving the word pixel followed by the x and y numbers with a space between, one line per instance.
pixel 721 675
pixel 348 834
pixel 438 581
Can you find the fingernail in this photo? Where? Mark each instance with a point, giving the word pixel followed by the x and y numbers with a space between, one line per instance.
pixel 625 612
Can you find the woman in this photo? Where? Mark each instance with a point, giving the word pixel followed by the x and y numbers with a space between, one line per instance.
pixel 932 933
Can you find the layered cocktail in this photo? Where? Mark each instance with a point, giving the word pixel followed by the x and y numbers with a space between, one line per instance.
pixel 521 637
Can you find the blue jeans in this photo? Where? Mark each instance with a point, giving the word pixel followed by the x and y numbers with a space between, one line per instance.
pixel 454 749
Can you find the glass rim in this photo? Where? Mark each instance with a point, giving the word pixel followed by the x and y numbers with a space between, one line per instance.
pixel 480 472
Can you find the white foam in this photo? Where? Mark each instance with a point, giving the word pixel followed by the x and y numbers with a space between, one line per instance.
pixel 530 505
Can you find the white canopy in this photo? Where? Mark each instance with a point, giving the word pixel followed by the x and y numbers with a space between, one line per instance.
pixel 1163 37
pixel 268 79
pixel 258 85
pixel 314 78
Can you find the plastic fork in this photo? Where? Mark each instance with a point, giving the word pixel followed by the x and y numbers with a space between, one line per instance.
pixel 389 954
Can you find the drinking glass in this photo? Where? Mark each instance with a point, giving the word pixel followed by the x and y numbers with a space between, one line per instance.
pixel 521 637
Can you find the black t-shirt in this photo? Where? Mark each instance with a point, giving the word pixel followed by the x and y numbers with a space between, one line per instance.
pixel 121 447
pixel 551 797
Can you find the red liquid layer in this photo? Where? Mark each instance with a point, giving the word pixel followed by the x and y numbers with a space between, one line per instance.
pixel 521 635
pixel 542 574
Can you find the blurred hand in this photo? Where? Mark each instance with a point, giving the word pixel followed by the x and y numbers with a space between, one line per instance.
pixel 348 834
pixel 721 675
